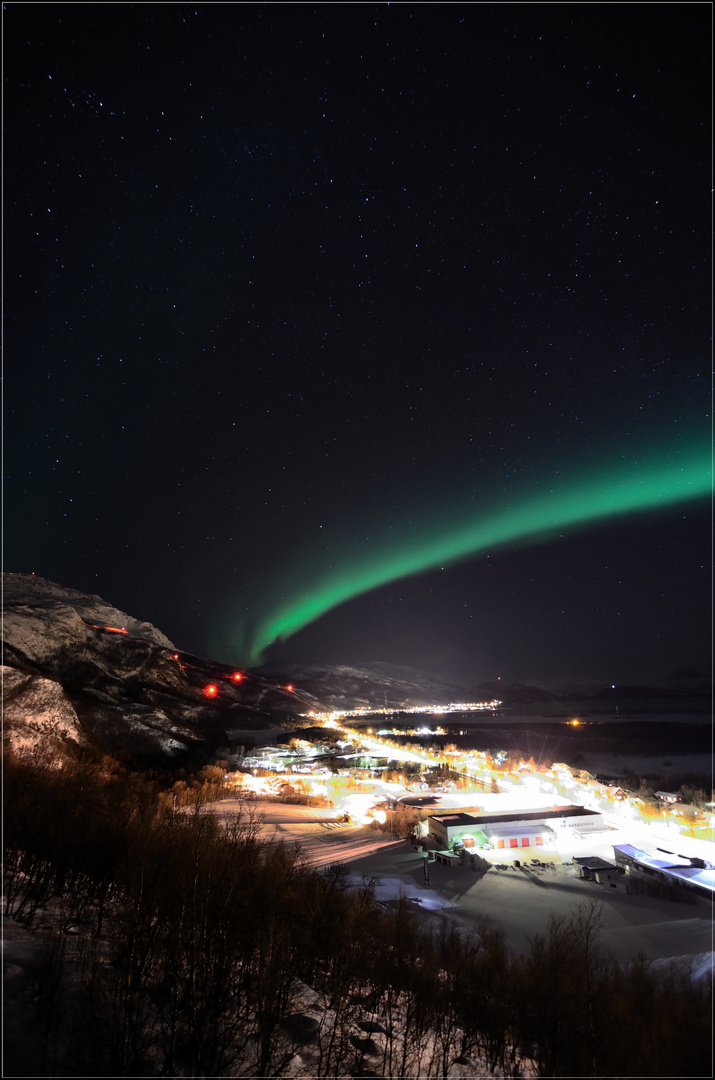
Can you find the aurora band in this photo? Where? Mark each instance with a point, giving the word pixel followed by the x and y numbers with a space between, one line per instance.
pixel 532 520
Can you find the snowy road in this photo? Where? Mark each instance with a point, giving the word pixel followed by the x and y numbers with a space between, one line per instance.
pixel 322 840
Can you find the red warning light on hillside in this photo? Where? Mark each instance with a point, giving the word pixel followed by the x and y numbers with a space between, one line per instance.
pixel 289 687
pixel 211 690
pixel 237 676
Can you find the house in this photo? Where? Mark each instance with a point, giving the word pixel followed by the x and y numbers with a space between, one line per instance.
pixel 590 865
pixel 563 771
pixel 594 868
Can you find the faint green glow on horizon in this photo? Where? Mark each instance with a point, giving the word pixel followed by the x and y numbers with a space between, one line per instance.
pixel 536 518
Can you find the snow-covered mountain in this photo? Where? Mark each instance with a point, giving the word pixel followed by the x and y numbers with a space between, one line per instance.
pixel 76 670
pixel 381 685
pixel 377 685
pixel 79 671
pixel 36 615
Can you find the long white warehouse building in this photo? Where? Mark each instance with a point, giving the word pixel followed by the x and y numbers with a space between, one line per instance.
pixel 518 829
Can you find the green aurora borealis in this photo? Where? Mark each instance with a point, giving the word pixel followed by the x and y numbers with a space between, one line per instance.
pixel 644 486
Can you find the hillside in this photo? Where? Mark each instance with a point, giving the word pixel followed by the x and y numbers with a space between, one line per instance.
pixel 377 685
pixel 78 671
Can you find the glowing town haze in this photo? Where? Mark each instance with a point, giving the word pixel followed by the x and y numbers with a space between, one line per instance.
pixel 334 716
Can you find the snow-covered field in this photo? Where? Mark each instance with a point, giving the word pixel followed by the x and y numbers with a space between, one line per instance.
pixel 519 902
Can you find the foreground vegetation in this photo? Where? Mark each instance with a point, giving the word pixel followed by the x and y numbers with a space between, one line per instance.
pixel 177 947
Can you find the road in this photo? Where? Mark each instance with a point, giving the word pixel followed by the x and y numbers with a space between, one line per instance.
pixel 321 838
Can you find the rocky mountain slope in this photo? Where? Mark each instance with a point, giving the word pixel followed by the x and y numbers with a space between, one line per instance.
pixel 77 670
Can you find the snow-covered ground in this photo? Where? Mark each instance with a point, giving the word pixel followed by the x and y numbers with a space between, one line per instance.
pixel 519 901
pixel 322 840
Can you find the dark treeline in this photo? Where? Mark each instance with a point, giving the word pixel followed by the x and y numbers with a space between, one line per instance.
pixel 175 946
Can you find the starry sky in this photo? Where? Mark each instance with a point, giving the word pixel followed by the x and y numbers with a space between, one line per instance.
pixel 338 333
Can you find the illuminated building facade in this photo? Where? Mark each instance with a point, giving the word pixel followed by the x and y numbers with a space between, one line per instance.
pixel 510 831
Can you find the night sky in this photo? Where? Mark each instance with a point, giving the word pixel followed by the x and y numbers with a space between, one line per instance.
pixel 343 333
